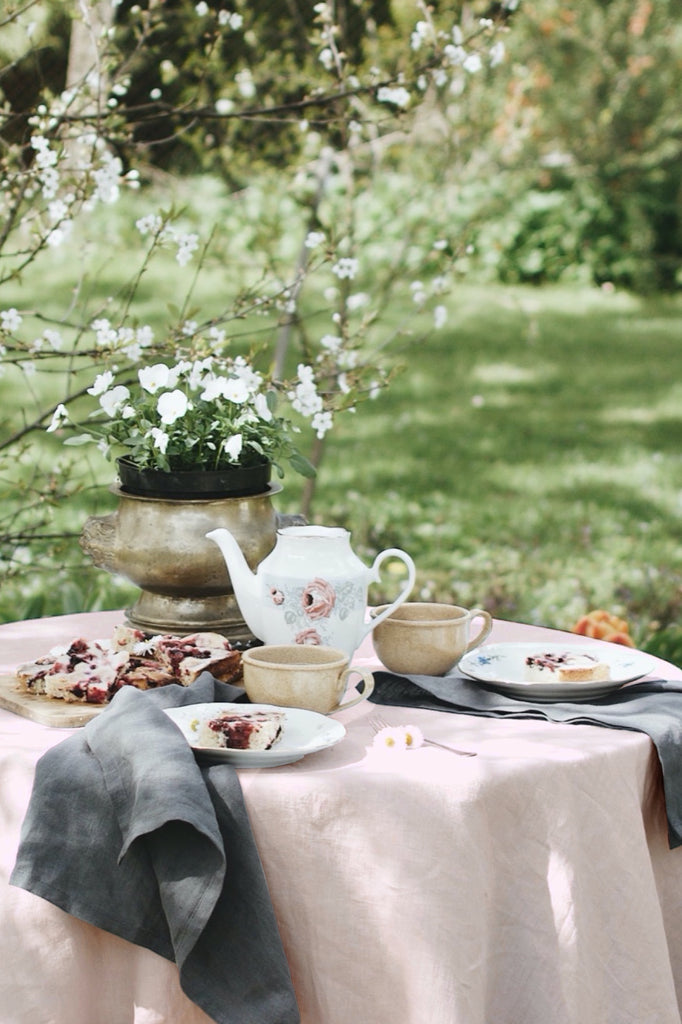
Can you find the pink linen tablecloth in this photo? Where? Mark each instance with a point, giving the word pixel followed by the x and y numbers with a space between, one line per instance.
pixel 532 884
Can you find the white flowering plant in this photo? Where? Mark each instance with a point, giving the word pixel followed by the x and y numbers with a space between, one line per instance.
pixel 205 413
pixel 322 247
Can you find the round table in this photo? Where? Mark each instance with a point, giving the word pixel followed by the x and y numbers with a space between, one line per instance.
pixel 530 883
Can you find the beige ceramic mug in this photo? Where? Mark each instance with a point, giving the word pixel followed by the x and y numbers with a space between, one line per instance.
pixel 300 676
pixel 426 639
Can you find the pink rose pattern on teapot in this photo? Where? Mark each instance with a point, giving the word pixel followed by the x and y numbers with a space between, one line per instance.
pixel 312 611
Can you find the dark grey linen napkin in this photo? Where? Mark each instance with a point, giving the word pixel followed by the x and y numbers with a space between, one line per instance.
pixel 653 706
pixel 126 831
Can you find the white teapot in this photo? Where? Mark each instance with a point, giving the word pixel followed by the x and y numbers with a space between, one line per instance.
pixel 310 589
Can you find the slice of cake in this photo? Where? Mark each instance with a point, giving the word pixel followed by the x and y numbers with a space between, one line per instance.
pixel 84 671
pixel 241 730
pixel 126 638
pixel 565 668
pixel 188 656
pixel 92 672
pixel 143 673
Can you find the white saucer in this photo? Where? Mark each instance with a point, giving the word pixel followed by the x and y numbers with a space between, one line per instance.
pixel 501 667
pixel 303 732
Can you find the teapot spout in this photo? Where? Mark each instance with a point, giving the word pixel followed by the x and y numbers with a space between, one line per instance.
pixel 245 583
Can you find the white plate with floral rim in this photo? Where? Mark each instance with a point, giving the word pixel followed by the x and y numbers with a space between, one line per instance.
pixel 501 667
pixel 303 732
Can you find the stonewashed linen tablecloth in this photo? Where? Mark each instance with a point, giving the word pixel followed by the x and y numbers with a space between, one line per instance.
pixel 127 831
pixel 530 884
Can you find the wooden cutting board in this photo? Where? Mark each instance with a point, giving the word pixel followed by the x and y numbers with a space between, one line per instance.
pixel 58 713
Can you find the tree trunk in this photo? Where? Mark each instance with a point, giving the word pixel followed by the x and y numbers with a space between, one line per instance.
pixel 96 17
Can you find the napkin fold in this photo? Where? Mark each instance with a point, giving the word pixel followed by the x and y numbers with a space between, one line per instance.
pixel 653 706
pixel 126 831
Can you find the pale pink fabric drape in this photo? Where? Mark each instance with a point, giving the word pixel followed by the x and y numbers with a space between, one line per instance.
pixel 531 884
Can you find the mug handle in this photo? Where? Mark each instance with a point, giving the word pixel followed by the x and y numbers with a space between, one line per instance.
pixel 403 557
pixel 484 631
pixel 368 680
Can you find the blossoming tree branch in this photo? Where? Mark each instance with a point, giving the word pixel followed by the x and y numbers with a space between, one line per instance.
pixel 292 335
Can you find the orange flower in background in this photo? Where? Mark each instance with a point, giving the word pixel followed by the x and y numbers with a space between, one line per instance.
pixel 601 625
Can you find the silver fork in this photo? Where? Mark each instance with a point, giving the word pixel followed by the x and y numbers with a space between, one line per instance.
pixel 378 723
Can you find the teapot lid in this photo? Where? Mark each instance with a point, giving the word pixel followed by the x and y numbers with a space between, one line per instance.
pixel 324 532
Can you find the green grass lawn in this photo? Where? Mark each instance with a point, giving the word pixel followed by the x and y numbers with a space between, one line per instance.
pixel 527 456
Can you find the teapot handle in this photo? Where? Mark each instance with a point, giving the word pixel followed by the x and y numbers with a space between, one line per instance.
pixel 402 556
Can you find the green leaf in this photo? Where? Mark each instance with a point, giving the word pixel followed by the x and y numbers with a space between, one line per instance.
pixel 79 439
pixel 301 465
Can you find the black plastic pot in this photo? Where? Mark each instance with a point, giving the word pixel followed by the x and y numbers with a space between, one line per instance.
pixel 233 482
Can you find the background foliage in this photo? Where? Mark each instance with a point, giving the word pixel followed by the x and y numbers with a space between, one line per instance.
pixel 526 454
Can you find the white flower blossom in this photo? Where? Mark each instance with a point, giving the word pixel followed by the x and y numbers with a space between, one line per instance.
pixel 357 301
pixel 236 390
pixel 230 19
pixel 57 210
pixel 326 58
pixel 171 406
pixel 160 439
pixel 421 33
pixel 245 84
pixel 105 334
pixel 10 319
pixel 397 95
pixel 214 388
pixel 398 737
pixel 496 53
pixel 304 397
pixel 260 404
pixel 113 401
pixel 472 63
pixel 217 336
pixel 103 382
pixel 107 178
pixel 331 342
pixel 418 292
pixel 233 446
pixel 187 244
pixel 57 236
pixel 440 317
pixel 153 378
pixel 313 239
pixel 59 417
pixel 54 339
pixel 152 224
pixel 321 423
pixel 144 336
pixel 346 267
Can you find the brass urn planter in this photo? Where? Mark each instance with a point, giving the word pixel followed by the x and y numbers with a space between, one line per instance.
pixel 160 545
